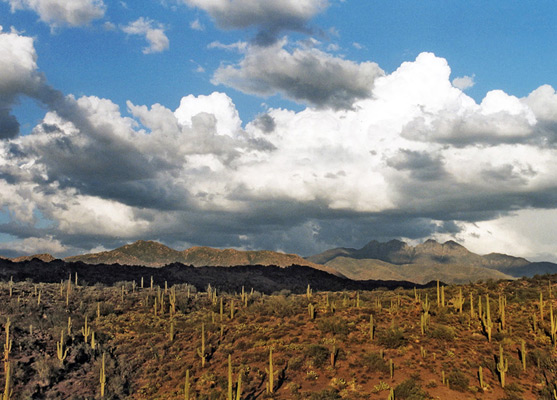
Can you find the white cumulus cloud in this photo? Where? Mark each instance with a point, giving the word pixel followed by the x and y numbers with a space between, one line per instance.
pixel 62 12
pixel 412 157
pixel 153 33
pixel 464 82
pixel 270 17
pixel 18 75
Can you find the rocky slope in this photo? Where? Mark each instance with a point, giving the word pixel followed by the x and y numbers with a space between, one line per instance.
pixel 449 261
pixel 154 254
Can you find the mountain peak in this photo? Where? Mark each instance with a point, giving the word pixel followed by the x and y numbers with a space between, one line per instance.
pixel 142 244
pixel 452 243
pixel 45 257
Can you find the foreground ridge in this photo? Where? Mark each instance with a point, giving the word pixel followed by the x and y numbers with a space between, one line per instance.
pixel 147 339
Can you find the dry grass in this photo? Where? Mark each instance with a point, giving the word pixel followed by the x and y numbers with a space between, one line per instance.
pixel 143 363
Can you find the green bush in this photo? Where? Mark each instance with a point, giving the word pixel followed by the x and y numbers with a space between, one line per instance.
pixel 374 362
pixel 318 354
pixel 442 332
pixel 458 381
pixel 410 390
pixel 333 325
pixel 326 394
pixel 392 338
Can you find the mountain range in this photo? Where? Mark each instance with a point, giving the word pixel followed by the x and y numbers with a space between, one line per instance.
pixel 449 262
pixel 154 254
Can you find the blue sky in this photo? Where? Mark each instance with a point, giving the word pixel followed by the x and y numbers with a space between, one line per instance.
pixel 293 125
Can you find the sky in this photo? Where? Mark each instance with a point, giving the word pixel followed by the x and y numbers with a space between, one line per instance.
pixel 288 125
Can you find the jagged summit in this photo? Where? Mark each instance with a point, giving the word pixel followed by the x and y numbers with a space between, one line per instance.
pixel 449 261
pixel 154 254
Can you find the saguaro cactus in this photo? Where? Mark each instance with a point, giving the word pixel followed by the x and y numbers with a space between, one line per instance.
pixel 311 311
pixel 187 386
pixel 201 351
pixel 333 356
pixel 7 395
pixel 523 354
pixel 438 294
pixel 471 306
pixel 391 394
pixel 391 368
pixel 541 306
pixel 230 383
pixel 102 377
pixel 502 366
pixel 502 313
pixel 481 377
pixel 86 330
pixel 459 302
pixel 8 343
pixel 60 352
pixel 270 373
pixel 486 319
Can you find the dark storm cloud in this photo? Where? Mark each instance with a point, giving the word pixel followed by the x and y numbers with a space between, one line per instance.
pixel 269 17
pixel 9 126
pixel 421 165
pixel 305 75
pixel 266 123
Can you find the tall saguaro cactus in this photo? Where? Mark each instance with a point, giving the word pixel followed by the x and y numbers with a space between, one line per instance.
pixel 502 366
pixel 102 377
pixel 61 353
pixel 201 351
pixel 8 343
pixel 271 374
pixel 187 386
pixel 7 395
pixel 486 319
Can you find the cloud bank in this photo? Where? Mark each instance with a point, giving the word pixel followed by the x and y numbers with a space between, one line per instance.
pixel 413 156
pixel 58 13
pixel 269 17
pixel 305 75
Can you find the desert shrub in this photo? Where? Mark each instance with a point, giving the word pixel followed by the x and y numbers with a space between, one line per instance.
pixel 542 360
pixel 513 392
pixel 410 390
pixel 374 362
pixel 458 381
pixel 515 367
pixel 325 394
pixel 278 306
pixel 333 325
pixel 47 369
pixel 392 338
pixel 295 363
pixel 318 354
pixel 442 332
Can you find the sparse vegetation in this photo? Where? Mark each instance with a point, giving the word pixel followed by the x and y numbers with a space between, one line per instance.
pixel 269 347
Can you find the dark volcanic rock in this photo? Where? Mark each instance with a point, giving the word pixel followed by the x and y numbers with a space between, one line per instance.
pixel 266 279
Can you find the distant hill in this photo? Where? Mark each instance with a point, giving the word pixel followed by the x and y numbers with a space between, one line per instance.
pixel 142 252
pixel 365 269
pixel 154 254
pixel 43 257
pixel 266 279
pixel 449 261
pixel 392 260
